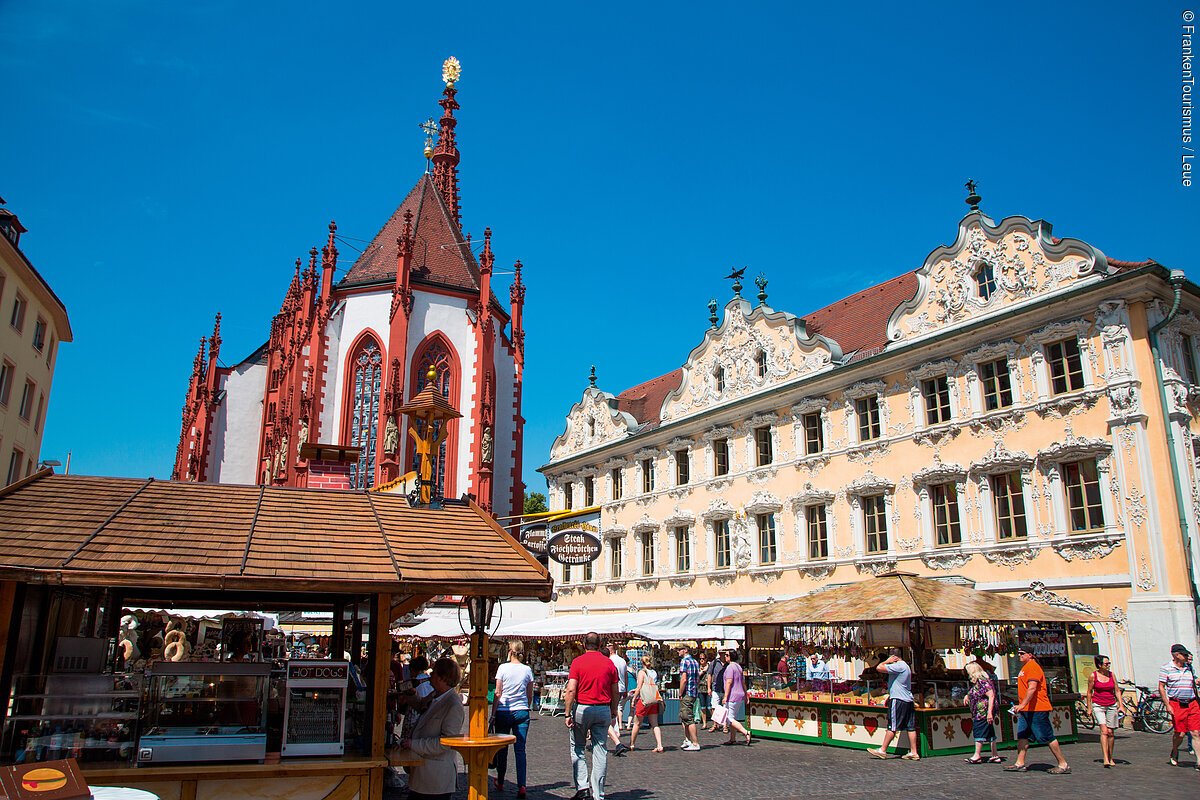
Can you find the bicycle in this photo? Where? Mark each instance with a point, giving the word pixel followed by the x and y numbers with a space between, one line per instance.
pixel 1149 712
pixel 1084 716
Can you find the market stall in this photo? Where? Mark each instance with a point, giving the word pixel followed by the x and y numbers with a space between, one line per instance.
pixel 556 641
pixel 859 623
pixel 158 700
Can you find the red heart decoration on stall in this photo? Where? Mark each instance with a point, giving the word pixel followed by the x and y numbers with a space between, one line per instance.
pixel 871 724
pixel 781 714
pixel 967 727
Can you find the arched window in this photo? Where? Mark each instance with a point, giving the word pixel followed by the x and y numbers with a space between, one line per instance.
pixel 985 280
pixel 366 368
pixel 437 353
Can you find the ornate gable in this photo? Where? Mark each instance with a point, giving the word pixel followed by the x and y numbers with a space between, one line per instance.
pixel 991 267
pixel 726 365
pixel 592 421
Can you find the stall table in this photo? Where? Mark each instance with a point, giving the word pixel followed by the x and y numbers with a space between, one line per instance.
pixel 801 717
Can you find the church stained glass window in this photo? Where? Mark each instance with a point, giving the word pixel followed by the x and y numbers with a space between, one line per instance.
pixel 364 419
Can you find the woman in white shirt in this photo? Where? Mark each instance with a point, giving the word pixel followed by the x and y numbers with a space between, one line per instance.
pixel 510 711
pixel 647 702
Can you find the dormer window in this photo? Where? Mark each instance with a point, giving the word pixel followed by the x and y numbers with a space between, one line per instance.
pixel 985 280
pixel 719 378
pixel 761 360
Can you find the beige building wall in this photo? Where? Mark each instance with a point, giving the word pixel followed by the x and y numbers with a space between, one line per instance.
pixel 1082 449
pixel 33 322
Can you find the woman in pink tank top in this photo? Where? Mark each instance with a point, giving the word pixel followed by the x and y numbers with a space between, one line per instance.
pixel 1104 699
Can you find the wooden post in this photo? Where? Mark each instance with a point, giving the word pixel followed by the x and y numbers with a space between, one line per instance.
pixel 337 632
pixel 477 687
pixel 10 628
pixel 380 657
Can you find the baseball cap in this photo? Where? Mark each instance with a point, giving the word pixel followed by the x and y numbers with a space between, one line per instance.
pixel 1025 648
pixel 1178 648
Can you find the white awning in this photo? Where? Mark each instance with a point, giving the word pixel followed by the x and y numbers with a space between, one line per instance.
pixel 662 626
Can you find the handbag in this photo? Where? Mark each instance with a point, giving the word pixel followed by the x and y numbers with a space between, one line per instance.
pixel 650 694
pixel 720 715
pixel 491 728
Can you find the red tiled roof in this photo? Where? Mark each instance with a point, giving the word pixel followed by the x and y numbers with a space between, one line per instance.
pixel 440 256
pixel 859 322
pixel 645 400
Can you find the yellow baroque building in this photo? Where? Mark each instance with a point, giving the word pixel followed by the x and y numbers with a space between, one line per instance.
pixel 1015 414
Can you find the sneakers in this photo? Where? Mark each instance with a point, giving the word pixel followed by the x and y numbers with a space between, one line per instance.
pixel 910 757
pixel 621 749
pixel 582 794
pixel 876 753
pixel 689 746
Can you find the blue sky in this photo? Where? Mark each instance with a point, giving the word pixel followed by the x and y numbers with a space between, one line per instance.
pixel 171 160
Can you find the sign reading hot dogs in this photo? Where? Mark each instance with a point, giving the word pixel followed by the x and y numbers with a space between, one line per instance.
pixel 573 546
pixel 303 670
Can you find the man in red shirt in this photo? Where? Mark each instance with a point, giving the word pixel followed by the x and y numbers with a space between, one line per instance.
pixel 591 704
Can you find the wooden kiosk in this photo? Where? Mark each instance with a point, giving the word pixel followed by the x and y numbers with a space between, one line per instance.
pixel 76 550
pixel 918 615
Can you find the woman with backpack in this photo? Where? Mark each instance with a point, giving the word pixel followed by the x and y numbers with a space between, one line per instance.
pixel 647 702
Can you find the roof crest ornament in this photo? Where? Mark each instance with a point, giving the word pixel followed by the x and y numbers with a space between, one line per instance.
pixel 736 277
pixel 973 198
pixel 592 378
pixel 445 155
pixel 761 283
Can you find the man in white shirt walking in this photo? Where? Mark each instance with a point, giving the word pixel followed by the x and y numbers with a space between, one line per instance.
pixel 614 730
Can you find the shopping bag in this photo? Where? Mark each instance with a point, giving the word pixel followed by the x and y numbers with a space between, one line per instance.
pixel 720 715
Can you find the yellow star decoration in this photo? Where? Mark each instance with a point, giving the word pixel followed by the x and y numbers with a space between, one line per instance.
pixel 800 723
pixel 768 717
pixel 451 70
pixel 949 733
pixel 1057 721
pixel 851 728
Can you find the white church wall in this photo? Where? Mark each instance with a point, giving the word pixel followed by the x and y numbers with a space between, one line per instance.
pixel 330 431
pixel 437 312
pixel 237 425
pixel 502 464
pixel 362 312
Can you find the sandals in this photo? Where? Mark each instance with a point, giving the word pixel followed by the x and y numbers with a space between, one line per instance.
pixel 1016 768
pixel 974 760
pixel 657 750
pixel 995 760
pixel 1059 771
pixel 1173 760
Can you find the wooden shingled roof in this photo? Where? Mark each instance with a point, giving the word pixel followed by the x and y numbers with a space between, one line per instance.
pixel 97 531
pixel 901 596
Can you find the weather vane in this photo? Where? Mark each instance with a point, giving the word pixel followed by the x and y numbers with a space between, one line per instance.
pixel 973 198
pixel 429 128
pixel 736 277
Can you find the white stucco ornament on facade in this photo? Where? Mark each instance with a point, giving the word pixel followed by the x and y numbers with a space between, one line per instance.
pixel 753 349
pixel 1026 260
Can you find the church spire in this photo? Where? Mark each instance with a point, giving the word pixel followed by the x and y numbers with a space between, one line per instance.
pixel 445 156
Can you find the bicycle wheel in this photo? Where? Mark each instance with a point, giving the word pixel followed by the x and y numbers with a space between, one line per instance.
pixel 1084 717
pixel 1155 716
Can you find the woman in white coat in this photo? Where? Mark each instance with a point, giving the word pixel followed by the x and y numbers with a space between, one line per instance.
pixel 437 778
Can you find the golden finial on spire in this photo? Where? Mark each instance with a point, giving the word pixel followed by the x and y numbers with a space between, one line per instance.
pixel 431 376
pixel 451 71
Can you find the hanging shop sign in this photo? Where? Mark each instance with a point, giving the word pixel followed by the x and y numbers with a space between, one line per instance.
pixel 534 537
pixel 574 546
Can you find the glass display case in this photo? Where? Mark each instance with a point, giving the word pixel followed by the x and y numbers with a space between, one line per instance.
pixel 315 711
pixel 89 718
pixel 942 693
pixel 205 712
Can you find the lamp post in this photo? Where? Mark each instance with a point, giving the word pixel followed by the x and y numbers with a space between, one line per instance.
pixel 478 746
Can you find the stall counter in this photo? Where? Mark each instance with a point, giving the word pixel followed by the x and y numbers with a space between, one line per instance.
pixel 800 717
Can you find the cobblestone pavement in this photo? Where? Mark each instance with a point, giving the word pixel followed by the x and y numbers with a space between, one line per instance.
pixel 770 770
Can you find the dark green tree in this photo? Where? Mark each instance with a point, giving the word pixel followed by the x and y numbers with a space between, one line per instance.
pixel 535 503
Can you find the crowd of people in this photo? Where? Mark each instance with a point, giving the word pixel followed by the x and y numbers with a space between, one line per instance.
pixel 712 694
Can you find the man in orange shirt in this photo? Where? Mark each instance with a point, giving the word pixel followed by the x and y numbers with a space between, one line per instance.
pixel 1032 713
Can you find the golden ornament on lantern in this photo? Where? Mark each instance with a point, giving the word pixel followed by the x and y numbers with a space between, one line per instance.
pixel 451 71
pixel 431 409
